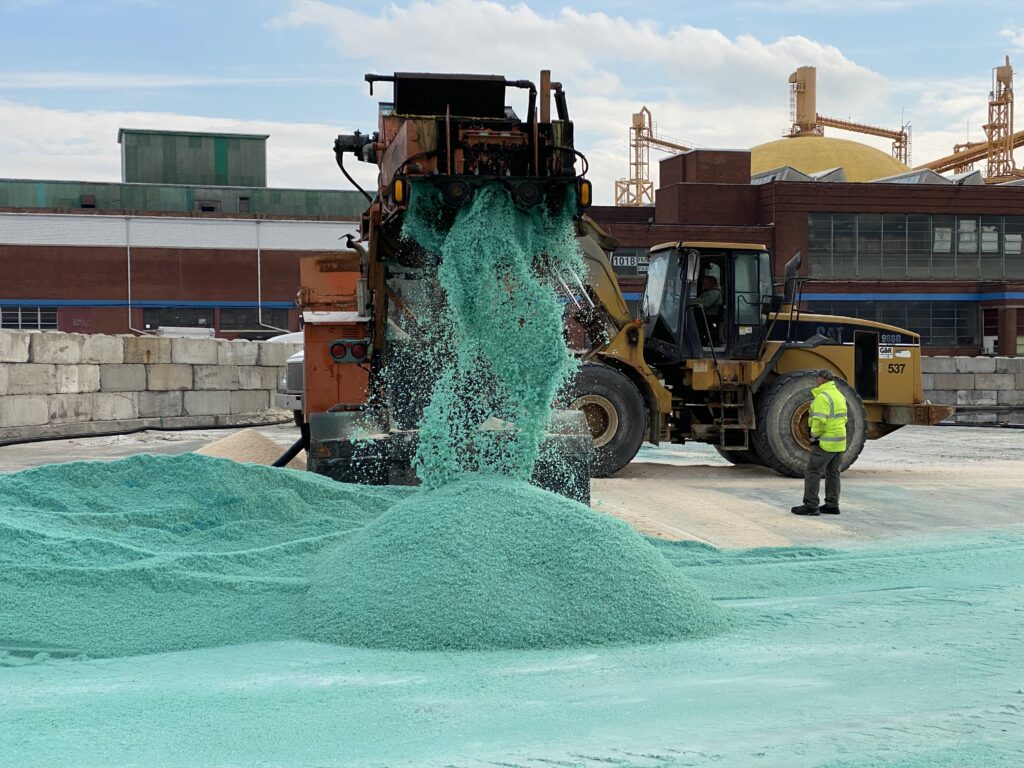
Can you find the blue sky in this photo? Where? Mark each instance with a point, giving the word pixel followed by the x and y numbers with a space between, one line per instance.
pixel 714 74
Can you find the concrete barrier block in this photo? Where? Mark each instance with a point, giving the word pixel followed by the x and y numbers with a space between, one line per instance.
pixel 68 408
pixel 3 379
pixel 14 346
pixel 272 354
pixel 938 364
pixel 1020 380
pixel 928 381
pixel 149 350
pixel 977 397
pixel 258 377
pixel 975 365
pixel 1013 397
pixel 56 347
pixel 953 381
pixel 74 379
pixel 115 406
pixel 942 396
pixel 237 352
pixel 994 381
pixel 1010 365
pixel 31 379
pixel 160 404
pixel 98 348
pixel 23 410
pixel 249 401
pixel 207 403
pixel 194 351
pixel 126 377
pixel 215 377
pixel 168 376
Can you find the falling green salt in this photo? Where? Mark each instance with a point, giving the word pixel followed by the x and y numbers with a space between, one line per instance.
pixel 505 356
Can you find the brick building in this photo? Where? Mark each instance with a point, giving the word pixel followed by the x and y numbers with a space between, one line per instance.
pixel 191 237
pixel 940 256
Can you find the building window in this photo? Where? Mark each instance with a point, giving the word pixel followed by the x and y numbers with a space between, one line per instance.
pixel 914 246
pixel 245 321
pixel 939 323
pixel 177 317
pixel 208 206
pixel 28 318
pixel 88 201
pixel 243 205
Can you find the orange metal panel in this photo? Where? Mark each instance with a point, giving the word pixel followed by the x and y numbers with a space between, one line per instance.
pixel 329 383
pixel 329 281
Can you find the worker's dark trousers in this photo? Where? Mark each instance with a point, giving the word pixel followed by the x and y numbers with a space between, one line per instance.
pixel 819 463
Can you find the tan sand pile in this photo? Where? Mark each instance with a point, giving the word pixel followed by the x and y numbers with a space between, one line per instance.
pixel 250 447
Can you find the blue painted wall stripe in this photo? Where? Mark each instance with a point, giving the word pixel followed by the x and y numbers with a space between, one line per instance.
pixel 149 303
pixel 913 296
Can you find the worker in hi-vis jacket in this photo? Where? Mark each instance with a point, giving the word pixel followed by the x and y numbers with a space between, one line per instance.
pixel 827 420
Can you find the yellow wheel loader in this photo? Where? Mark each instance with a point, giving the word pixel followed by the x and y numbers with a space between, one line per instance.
pixel 736 371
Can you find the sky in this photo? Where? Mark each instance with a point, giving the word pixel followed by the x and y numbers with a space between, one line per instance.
pixel 714 74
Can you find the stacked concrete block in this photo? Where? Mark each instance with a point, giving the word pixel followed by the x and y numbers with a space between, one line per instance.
pixel 63 348
pixel 55 383
pixel 219 377
pixel 101 349
pixel 123 377
pixel 14 346
pixel 974 382
pixel 161 404
pixel 149 350
pixel 194 351
pixel 168 377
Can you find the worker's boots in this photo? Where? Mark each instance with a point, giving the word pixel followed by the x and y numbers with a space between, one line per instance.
pixel 829 509
pixel 804 510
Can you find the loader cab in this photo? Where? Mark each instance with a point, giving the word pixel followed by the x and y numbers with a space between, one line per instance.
pixel 706 300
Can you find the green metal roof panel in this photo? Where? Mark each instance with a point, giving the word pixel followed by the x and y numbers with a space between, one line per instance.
pixel 113 196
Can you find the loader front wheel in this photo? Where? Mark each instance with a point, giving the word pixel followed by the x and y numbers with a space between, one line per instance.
pixel 615 413
pixel 782 437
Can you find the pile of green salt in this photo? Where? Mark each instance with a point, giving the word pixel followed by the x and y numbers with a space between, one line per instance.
pixel 152 554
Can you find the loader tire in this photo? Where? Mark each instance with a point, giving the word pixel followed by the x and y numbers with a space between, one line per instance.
pixel 782 437
pixel 741 458
pixel 616 416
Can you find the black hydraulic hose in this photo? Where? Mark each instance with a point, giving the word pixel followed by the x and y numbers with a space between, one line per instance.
pixel 291 453
pixel 340 158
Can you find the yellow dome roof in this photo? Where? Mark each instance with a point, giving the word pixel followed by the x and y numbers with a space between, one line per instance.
pixel 811 154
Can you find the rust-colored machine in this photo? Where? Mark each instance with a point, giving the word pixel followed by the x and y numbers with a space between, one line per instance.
pixel 449 134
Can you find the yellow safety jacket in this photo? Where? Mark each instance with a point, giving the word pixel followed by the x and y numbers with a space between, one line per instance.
pixel 828 417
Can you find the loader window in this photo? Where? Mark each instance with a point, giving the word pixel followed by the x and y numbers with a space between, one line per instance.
pixel 748 289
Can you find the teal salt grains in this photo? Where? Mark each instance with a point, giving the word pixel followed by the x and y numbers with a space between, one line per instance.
pixel 502 353
pixel 490 562
pixel 152 554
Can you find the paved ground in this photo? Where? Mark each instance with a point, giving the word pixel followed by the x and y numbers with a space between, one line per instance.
pixel 915 481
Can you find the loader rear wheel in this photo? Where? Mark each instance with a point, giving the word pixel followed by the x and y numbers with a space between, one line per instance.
pixel 615 413
pixel 741 458
pixel 782 437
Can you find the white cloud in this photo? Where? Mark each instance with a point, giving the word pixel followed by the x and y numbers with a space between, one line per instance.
pixel 703 87
pixel 1016 37
pixel 125 81
pixel 41 143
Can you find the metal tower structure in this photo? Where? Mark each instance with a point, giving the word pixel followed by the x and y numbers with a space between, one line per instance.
pixel 1000 142
pixel 638 189
pixel 807 122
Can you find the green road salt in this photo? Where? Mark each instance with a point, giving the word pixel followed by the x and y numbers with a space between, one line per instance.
pixel 154 554
pixel 505 355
